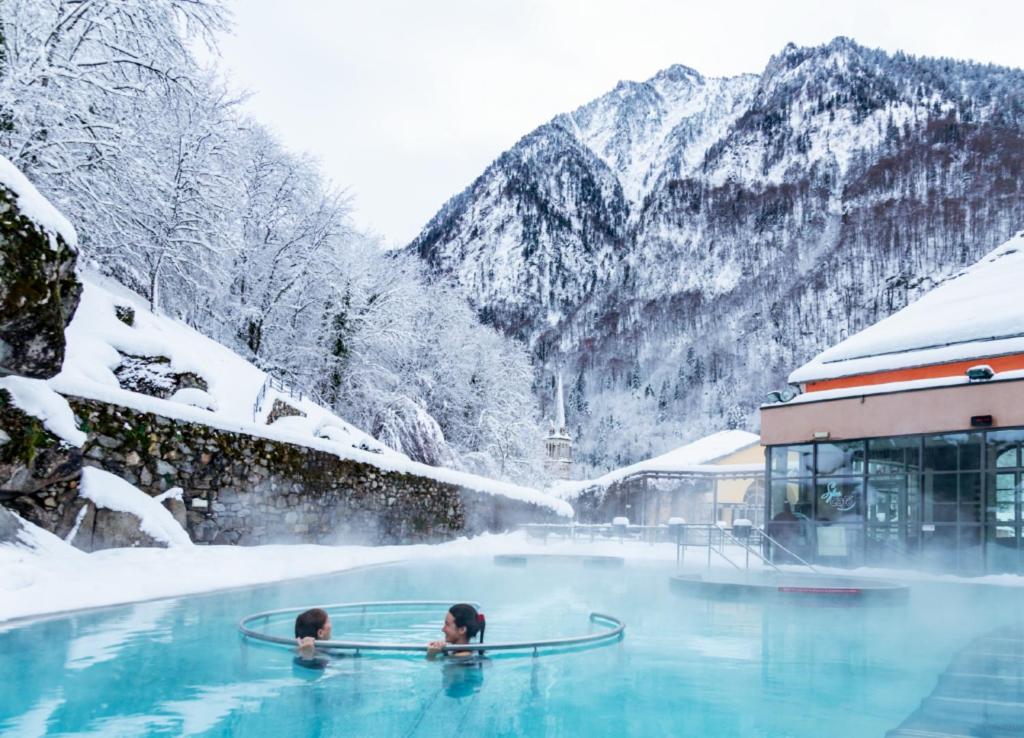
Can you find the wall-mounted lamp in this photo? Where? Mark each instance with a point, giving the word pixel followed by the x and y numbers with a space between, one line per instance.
pixel 980 373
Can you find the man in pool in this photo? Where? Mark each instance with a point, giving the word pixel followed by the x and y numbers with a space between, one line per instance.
pixel 461 623
pixel 311 626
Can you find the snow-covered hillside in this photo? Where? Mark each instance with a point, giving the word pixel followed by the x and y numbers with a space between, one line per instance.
pixel 677 246
pixel 100 346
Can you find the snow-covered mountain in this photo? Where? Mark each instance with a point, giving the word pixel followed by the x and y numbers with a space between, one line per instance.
pixel 678 245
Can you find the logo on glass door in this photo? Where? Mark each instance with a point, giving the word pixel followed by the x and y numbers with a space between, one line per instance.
pixel 832 496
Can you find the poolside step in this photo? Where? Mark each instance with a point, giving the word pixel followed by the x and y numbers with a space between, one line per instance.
pixel 995 664
pixel 991 644
pixel 915 733
pixel 974 711
pixel 981 693
pixel 942 717
pixel 994 687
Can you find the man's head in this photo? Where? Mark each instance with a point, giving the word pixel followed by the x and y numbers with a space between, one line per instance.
pixel 313 624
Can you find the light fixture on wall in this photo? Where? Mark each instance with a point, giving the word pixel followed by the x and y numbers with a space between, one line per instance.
pixel 776 396
pixel 980 373
pixel 821 435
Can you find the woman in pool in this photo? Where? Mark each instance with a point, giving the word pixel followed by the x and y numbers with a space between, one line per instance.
pixel 461 623
pixel 312 626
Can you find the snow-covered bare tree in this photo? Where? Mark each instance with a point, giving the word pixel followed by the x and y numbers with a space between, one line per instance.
pixel 108 112
pixel 172 230
pixel 74 70
pixel 294 230
pixel 207 215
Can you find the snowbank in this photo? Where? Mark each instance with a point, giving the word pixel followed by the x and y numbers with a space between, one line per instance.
pixel 35 207
pixel 98 341
pixel 55 577
pixel 113 493
pixel 693 457
pixel 59 578
pixel 976 313
pixel 36 398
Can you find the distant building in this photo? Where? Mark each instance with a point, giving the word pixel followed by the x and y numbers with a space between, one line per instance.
pixel 559 444
pixel 906 446
pixel 718 478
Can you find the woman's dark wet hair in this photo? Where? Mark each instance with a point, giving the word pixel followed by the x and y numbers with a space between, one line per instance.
pixel 308 623
pixel 467 617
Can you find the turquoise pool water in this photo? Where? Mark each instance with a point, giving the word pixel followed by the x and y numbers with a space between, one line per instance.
pixel 687 667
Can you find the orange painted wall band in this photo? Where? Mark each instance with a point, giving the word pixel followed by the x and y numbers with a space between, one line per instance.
pixel 1006 363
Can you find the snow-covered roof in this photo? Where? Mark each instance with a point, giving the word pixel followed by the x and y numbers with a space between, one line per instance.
pixel 975 314
pixel 35 207
pixel 697 457
pixel 97 342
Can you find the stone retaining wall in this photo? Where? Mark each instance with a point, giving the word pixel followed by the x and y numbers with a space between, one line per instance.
pixel 238 488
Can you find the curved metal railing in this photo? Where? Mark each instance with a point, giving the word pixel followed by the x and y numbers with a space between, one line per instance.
pixel 615 631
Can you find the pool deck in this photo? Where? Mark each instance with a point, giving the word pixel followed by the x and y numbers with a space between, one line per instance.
pixel 588 560
pixel 790 587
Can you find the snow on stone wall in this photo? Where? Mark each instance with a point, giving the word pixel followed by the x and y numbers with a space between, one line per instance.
pixel 238 488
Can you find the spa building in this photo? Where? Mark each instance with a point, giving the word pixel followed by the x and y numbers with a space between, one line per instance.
pixel 904 444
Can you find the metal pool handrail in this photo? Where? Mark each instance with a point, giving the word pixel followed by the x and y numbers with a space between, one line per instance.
pixel 617 628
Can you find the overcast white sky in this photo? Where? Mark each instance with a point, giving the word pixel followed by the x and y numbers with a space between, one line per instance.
pixel 405 102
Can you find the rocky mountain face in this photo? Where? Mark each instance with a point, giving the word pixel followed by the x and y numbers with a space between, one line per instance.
pixel 677 246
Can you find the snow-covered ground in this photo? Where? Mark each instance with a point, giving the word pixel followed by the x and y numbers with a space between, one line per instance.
pixel 97 342
pixel 44 575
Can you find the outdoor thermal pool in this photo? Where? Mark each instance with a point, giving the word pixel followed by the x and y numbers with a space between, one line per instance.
pixel 686 667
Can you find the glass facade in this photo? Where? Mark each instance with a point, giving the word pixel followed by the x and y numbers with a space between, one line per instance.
pixel 949 501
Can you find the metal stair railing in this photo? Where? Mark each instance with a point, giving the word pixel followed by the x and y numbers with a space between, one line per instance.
pixel 773 542
pixel 749 549
pixel 272 382
pixel 724 536
pixel 712 529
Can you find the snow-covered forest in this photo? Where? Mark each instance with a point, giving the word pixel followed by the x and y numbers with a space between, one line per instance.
pixel 107 108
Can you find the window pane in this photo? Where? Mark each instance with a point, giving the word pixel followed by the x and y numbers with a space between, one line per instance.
pixel 1007 457
pixel 970 451
pixel 970 513
pixel 790 524
pixel 1003 448
pixel 840 499
pixel 914 498
pixel 940 453
pixel 792 461
pixel 971 554
pixel 1002 549
pixel 952 451
pixel 970 488
pixel 941 487
pixel 1002 498
pixel 794 496
pixel 885 499
pixel 839 544
pixel 841 458
pixel 938 547
pixel 887 544
pixel 894 455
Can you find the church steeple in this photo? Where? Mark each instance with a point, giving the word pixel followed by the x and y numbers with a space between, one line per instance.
pixel 559 406
pixel 559 444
